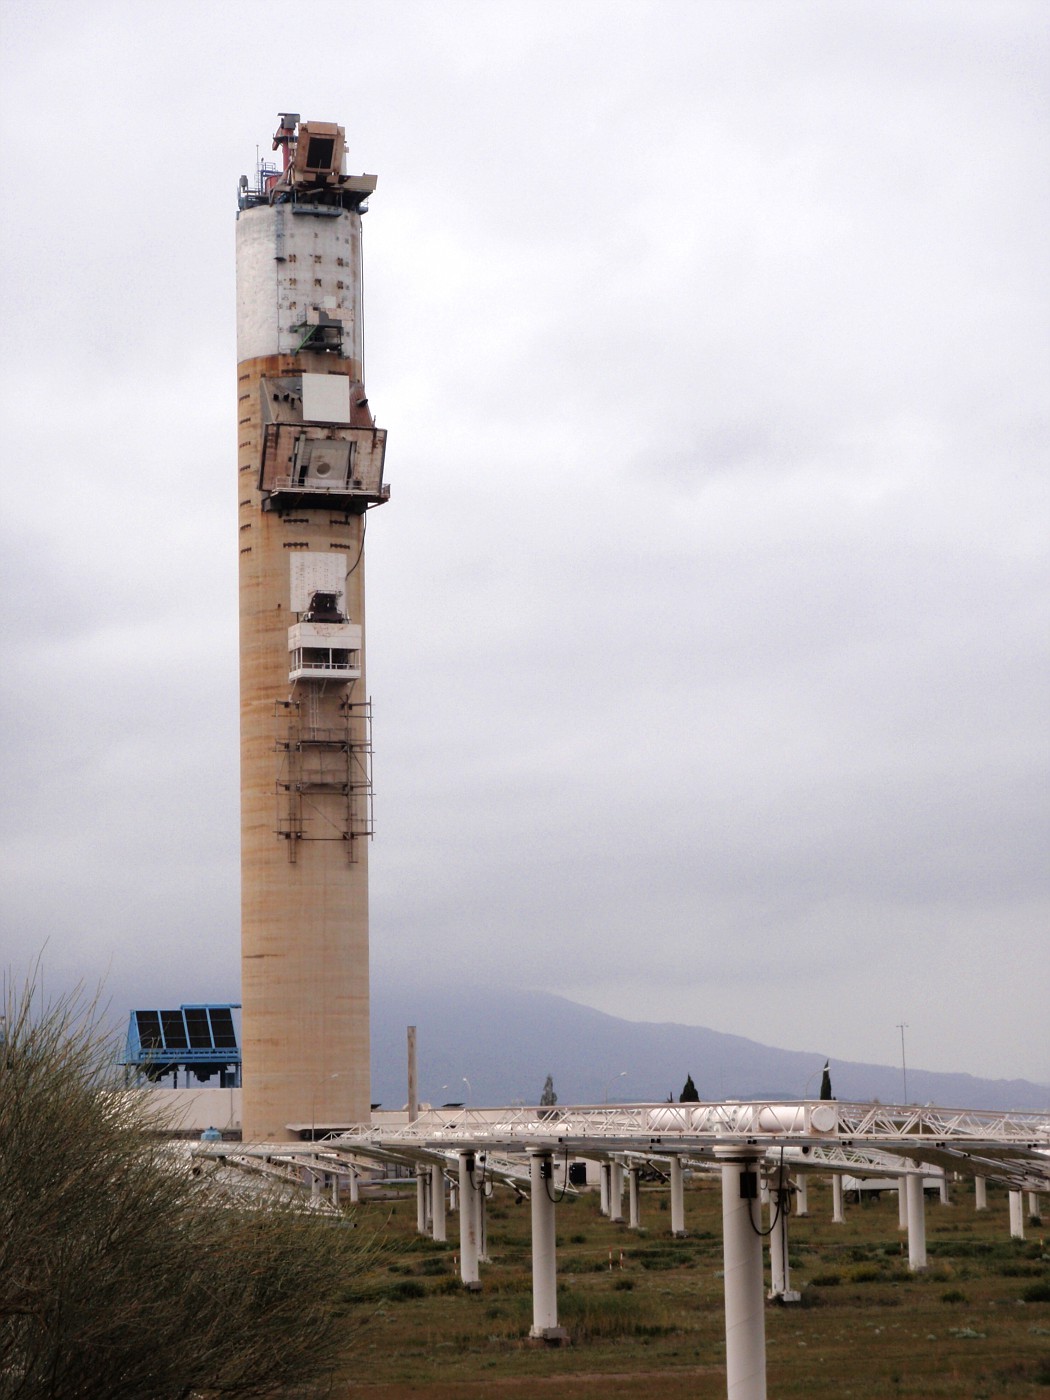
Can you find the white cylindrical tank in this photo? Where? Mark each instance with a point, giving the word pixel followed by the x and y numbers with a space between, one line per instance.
pixel 296 262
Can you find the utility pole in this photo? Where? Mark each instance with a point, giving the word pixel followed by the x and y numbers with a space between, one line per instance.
pixel 902 1026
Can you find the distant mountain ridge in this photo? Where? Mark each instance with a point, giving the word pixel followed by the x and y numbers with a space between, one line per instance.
pixel 487 1047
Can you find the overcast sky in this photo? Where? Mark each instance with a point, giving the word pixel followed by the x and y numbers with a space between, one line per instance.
pixel 708 621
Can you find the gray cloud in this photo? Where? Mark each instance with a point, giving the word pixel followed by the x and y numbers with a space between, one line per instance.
pixel 708 620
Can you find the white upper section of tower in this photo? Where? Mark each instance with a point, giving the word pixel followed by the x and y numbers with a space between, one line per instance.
pixel 299 248
pixel 298 281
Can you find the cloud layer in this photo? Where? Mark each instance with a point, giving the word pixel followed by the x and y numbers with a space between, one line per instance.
pixel 708 620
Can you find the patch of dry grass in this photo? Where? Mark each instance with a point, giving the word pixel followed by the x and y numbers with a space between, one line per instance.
pixel 655 1326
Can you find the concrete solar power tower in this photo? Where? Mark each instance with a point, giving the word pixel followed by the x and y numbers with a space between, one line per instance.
pixel 310 465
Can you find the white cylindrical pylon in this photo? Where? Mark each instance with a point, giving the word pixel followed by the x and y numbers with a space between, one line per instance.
pixel 633 1203
pixel 616 1192
pixel 603 1188
pixel 468 1223
pixel 437 1203
pixel 916 1223
pixel 677 1199
pixel 480 1199
pixel 544 1260
pixel 422 1177
pixel 1017 1215
pixel 779 1209
pixel 742 1249
pixel 838 1215
pixel 802 1195
pixel 980 1193
pixel 902 1202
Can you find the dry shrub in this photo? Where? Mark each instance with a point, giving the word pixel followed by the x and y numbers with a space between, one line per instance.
pixel 121 1275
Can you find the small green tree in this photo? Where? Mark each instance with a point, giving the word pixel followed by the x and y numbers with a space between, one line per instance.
pixel 825 1081
pixel 122 1274
pixel 548 1098
pixel 689 1094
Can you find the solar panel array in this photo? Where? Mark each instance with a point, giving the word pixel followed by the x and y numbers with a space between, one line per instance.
pixel 207 1028
pixel 200 1038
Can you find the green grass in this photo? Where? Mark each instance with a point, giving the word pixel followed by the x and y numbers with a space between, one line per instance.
pixel 974 1326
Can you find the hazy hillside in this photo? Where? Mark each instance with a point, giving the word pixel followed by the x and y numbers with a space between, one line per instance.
pixel 506 1043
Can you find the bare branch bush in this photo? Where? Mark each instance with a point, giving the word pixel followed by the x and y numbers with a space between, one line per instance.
pixel 122 1276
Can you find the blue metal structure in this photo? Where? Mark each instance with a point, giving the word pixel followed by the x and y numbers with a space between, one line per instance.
pixel 201 1039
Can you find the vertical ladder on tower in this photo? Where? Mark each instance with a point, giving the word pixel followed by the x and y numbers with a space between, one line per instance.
pixel 323 786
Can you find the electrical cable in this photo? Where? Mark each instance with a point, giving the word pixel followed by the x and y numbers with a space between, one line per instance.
pixel 782 1197
pixel 483 1176
pixel 557 1200
pixel 361 549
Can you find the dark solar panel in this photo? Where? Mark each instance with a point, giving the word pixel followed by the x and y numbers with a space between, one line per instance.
pixel 149 1030
pixel 174 1030
pixel 198 1028
pixel 222 1030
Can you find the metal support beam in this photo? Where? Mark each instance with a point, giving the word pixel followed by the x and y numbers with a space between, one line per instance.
pixel 838 1215
pixel 916 1223
pixel 980 1193
pixel 742 1249
pixel 677 1199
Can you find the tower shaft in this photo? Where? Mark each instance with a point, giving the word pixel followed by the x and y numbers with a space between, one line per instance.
pixel 310 464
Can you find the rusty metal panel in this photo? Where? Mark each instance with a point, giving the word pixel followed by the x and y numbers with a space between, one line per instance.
pixel 344 462
pixel 319 149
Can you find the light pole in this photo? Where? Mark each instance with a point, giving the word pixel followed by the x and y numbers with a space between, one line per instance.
pixel 902 1026
pixel 612 1081
pixel 470 1091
